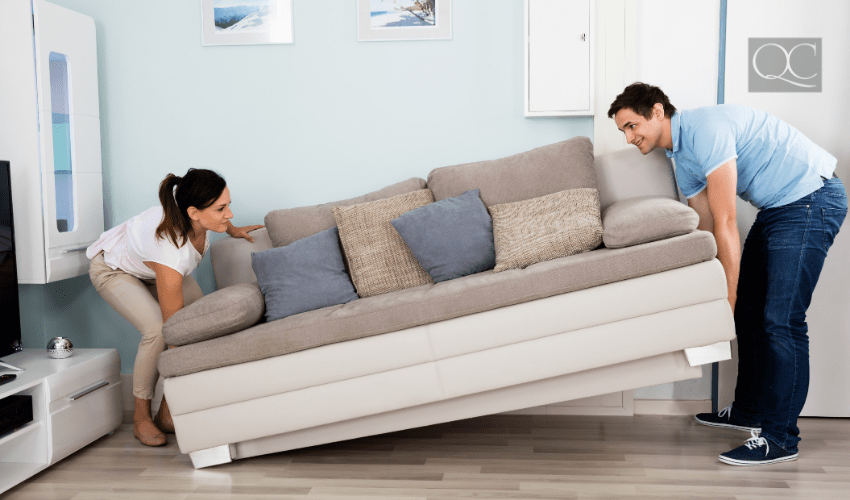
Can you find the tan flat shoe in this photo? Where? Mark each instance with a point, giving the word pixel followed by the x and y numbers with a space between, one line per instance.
pixel 163 418
pixel 148 433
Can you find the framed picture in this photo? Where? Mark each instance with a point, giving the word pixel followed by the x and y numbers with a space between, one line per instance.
pixel 383 20
pixel 246 22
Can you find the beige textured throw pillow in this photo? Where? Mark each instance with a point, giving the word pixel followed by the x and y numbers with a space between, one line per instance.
pixel 545 228
pixel 378 259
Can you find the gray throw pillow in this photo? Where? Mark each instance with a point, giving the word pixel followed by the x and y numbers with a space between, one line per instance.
pixel 220 313
pixel 644 219
pixel 450 238
pixel 305 275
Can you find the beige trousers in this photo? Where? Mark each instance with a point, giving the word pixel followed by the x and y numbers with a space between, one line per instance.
pixel 136 301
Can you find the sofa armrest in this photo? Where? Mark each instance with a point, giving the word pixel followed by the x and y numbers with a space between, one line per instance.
pixel 645 219
pixel 231 258
pixel 220 313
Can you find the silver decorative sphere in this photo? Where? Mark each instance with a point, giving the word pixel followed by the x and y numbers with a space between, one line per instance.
pixel 60 347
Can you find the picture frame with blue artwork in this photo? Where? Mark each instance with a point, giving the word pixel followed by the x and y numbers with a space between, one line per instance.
pixel 392 20
pixel 246 22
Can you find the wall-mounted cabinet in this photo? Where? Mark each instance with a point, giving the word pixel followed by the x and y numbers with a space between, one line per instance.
pixel 559 57
pixel 50 134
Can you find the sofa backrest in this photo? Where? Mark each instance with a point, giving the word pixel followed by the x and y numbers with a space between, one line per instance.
pixel 541 171
pixel 628 174
pixel 292 224
pixel 545 170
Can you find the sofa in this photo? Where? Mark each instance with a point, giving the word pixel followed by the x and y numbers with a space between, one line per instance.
pixel 647 306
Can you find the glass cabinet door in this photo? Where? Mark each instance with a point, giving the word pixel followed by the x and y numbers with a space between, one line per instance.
pixel 62 167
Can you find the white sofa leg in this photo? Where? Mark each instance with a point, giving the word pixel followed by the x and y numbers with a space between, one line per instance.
pixel 211 456
pixel 720 351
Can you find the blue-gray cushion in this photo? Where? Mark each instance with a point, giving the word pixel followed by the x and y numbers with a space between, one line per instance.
pixel 450 238
pixel 305 275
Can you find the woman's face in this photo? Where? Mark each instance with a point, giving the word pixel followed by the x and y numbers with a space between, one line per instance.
pixel 215 216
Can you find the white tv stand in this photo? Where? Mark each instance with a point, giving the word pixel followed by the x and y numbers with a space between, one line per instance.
pixel 75 401
pixel 10 367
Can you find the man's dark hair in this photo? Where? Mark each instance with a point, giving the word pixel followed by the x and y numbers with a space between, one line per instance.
pixel 640 98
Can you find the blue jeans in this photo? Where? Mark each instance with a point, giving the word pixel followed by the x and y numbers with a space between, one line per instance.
pixel 782 261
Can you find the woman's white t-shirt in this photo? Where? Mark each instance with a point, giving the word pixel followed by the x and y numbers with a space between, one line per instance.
pixel 129 245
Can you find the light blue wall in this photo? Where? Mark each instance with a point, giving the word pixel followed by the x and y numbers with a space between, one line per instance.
pixel 287 125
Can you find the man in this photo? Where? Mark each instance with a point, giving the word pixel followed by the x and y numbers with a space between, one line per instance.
pixel 720 151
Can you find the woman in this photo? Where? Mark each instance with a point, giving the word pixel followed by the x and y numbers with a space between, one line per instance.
pixel 141 268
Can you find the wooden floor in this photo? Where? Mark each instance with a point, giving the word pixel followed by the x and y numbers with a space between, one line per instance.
pixel 503 456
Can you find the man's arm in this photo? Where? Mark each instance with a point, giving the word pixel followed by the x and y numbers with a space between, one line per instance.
pixel 718 214
pixel 700 204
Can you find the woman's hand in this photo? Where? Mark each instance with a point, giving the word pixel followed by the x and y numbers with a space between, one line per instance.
pixel 242 232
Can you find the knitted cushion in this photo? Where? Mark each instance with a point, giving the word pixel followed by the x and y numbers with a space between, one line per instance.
pixel 545 228
pixel 378 259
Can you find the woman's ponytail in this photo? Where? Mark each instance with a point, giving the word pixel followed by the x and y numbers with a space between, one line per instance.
pixel 199 188
pixel 174 225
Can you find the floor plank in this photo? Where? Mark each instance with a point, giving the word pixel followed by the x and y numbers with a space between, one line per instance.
pixel 534 457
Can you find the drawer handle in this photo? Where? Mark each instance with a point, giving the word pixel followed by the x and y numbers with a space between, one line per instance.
pixel 86 392
pixel 73 250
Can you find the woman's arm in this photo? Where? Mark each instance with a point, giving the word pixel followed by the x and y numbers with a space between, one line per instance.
pixel 169 289
pixel 241 232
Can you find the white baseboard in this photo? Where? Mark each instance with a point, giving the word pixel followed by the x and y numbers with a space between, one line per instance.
pixel 671 406
pixel 607 404
pixel 617 403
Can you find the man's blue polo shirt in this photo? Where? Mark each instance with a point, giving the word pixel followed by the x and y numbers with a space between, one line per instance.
pixel 777 164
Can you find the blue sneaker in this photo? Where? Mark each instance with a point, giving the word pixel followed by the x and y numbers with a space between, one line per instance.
pixel 757 451
pixel 723 418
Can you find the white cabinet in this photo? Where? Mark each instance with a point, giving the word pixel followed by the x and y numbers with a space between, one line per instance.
pixel 50 134
pixel 75 401
pixel 559 57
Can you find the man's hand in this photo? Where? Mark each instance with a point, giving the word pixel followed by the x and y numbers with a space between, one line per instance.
pixel 242 232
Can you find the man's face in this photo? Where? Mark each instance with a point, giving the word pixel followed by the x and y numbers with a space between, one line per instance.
pixel 643 133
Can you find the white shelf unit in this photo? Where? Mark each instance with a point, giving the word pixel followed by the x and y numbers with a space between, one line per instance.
pixel 50 134
pixel 75 401
pixel 559 57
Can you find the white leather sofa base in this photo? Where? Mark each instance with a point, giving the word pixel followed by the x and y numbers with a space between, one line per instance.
pixel 654 370
pixel 480 333
pixel 437 380
pixel 665 368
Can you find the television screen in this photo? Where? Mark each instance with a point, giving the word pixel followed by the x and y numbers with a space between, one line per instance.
pixel 10 316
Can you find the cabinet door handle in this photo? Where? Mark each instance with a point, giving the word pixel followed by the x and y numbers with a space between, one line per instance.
pixel 86 392
pixel 584 37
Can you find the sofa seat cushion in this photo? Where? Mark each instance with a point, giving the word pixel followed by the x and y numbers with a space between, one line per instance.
pixel 438 302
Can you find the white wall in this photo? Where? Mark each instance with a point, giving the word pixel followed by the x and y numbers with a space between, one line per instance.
pixel 676 49
pixel 821 116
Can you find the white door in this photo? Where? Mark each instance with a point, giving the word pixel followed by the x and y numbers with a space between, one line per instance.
pixel 821 116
